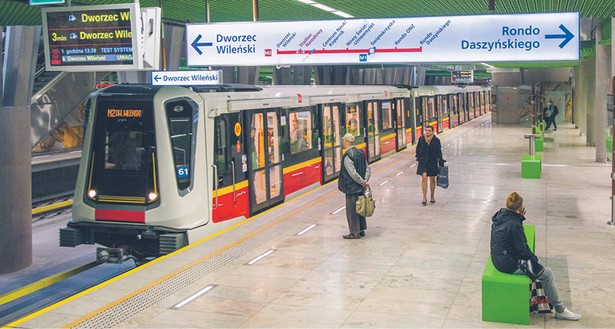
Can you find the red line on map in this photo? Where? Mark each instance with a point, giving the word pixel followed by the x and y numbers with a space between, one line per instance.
pixel 348 51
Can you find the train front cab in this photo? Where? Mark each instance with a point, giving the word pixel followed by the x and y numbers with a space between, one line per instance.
pixel 118 200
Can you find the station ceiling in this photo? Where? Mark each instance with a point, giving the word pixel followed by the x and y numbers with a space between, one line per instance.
pixel 18 12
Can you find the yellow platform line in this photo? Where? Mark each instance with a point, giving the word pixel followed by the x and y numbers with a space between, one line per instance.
pixel 46 282
pixel 44 209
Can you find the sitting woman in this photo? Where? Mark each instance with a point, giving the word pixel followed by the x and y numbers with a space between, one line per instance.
pixel 509 247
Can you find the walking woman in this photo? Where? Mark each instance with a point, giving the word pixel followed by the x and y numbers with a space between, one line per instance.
pixel 429 157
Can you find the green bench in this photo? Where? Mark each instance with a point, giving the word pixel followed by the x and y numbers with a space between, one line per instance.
pixel 531 166
pixel 506 297
pixel 539 144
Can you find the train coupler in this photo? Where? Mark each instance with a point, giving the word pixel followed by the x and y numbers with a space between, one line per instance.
pixel 109 255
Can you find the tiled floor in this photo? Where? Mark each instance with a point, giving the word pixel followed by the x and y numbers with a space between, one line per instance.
pixel 418 267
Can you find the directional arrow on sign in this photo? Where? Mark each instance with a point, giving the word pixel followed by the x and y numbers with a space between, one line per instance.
pixel 567 36
pixel 156 78
pixel 196 44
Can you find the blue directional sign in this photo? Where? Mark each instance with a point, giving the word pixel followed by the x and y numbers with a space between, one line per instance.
pixel 197 45
pixel 444 39
pixel 567 36
pixel 185 78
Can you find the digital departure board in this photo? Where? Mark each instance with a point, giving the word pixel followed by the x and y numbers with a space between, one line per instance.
pixel 92 38
pixel 462 76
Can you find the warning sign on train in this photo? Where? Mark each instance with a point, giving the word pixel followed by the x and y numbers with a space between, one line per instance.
pixel 480 38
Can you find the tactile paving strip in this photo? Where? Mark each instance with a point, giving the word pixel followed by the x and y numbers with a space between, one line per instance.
pixel 124 310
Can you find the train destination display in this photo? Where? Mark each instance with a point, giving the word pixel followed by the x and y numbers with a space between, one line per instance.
pixel 443 39
pixel 90 36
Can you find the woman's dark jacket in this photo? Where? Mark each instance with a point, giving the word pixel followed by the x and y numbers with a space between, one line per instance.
pixel 429 156
pixel 508 242
pixel 345 183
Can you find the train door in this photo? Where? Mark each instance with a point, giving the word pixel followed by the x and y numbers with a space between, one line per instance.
pixel 471 105
pixel 265 160
pixel 332 141
pixel 429 112
pixel 400 124
pixel 443 113
pixel 463 108
pixel 373 130
pixel 452 105
pixel 230 197
pixel 388 132
pixel 418 117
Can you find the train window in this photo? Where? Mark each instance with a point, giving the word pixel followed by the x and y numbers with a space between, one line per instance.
pixel 431 107
pixel 445 109
pixel 124 148
pixel 300 131
pixel 123 131
pixel 220 155
pixel 372 118
pixel 387 115
pixel 353 120
pixel 181 117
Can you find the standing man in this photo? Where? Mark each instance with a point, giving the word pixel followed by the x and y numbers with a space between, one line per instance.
pixel 352 182
pixel 553 112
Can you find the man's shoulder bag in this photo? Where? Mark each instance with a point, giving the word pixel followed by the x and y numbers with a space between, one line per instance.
pixel 366 204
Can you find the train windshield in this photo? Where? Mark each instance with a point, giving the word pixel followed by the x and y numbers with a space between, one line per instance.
pixel 123 158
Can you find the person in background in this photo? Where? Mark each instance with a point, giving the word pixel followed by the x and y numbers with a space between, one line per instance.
pixel 545 114
pixel 353 181
pixel 553 112
pixel 429 157
pixel 509 246
pixel 297 139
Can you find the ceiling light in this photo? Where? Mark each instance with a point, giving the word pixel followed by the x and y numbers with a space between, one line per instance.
pixel 342 14
pixel 323 7
pixel 309 2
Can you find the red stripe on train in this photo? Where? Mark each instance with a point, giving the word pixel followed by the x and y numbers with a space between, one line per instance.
pixel 120 215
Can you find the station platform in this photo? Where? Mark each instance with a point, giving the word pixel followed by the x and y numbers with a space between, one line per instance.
pixel 417 267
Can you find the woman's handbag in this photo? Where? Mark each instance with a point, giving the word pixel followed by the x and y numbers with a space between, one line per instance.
pixel 442 178
pixel 532 269
pixel 539 302
pixel 366 204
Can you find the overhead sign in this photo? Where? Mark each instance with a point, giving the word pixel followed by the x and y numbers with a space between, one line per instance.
pixel 84 37
pixel 462 76
pixel 185 78
pixel 524 37
pixel 45 2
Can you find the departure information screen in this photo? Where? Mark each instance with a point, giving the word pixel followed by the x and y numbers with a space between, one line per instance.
pixel 89 37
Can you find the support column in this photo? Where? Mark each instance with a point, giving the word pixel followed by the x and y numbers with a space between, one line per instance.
pixel 603 87
pixel 590 73
pixel 174 45
pixel 15 162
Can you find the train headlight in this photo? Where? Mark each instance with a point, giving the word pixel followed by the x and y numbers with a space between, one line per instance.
pixel 152 196
pixel 92 194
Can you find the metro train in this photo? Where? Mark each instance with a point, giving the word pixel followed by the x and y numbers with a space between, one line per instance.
pixel 164 166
